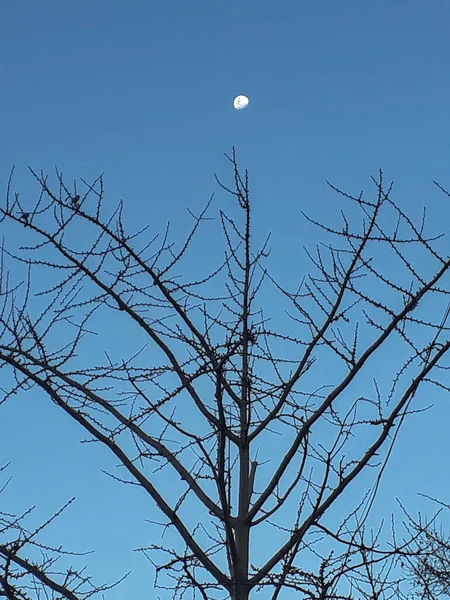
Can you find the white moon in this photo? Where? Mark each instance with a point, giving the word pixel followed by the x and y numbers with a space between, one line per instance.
pixel 240 102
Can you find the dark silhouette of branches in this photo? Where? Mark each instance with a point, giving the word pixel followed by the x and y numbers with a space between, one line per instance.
pixel 23 578
pixel 264 412
pixel 429 566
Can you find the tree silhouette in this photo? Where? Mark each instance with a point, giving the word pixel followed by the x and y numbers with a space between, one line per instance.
pixel 428 568
pixel 21 577
pixel 262 413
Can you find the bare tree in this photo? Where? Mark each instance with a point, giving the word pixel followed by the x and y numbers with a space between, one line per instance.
pixel 22 578
pixel 428 567
pixel 263 430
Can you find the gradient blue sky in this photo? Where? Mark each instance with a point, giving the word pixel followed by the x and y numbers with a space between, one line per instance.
pixel 143 91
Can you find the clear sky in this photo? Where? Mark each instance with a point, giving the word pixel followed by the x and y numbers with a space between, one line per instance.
pixel 143 91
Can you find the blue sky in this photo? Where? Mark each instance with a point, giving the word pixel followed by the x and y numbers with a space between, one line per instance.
pixel 143 91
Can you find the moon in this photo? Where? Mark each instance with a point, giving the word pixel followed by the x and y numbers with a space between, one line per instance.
pixel 240 102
